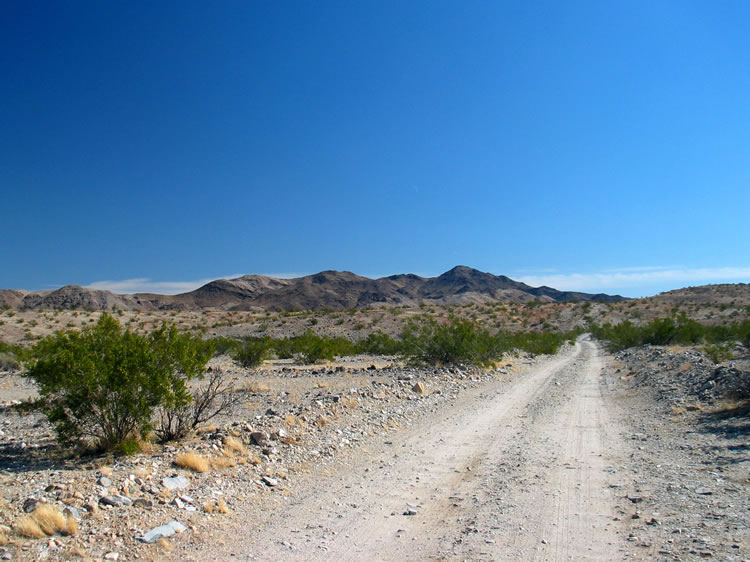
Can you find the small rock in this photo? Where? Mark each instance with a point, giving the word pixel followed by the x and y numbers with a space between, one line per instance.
pixel 164 531
pixel 410 511
pixel 175 482
pixel 419 388
pixel 704 491
pixel 112 556
pixel 30 504
pixel 272 482
pixel 143 502
pixel 104 482
pixel 71 511
pixel 259 437
pixel 116 500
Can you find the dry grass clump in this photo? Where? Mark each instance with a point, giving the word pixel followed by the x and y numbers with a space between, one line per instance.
pixel 49 518
pixel 193 461
pixel 257 387
pixel 321 421
pixel 234 446
pixel 349 402
pixel 28 527
pixel 290 420
pixel 3 537
pixel 217 506
pixel 77 551
pixel 223 462
pixel 165 544
pixel 210 428
pixel 46 520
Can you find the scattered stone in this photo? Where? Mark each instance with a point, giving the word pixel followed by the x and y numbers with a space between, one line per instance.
pixel 30 504
pixel 115 500
pixel 143 502
pixel 419 388
pixel 175 482
pixel 704 491
pixel 112 556
pixel 163 531
pixel 104 482
pixel 410 511
pixel 71 511
pixel 259 437
pixel 272 482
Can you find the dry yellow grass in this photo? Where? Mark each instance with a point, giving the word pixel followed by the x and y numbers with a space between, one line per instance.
pixel 290 420
pixel 3 537
pixel 193 461
pixel 349 402
pixel 28 527
pixel 223 461
pixel 71 527
pixel 257 387
pixel 106 471
pixel 321 421
pixel 165 544
pixel 49 518
pixel 215 506
pixel 234 446
pixel 77 551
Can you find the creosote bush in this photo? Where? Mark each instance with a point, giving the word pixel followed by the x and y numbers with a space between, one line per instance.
pixel 103 384
pixel 666 331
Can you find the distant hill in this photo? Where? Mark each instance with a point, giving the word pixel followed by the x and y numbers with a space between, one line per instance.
pixel 327 289
pixel 737 294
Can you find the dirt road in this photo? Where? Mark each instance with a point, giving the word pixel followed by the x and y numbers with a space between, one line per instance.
pixel 518 469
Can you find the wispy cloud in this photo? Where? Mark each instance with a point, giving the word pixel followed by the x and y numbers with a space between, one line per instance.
pixel 650 279
pixel 147 285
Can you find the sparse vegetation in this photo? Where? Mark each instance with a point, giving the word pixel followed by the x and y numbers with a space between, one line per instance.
pixel 668 330
pixel 103 384
pixel 193 461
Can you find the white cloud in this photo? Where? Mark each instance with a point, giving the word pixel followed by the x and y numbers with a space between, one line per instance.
pixel 650 279
pixel 146 285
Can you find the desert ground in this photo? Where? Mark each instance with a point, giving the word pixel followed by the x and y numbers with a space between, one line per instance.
pixel 643 454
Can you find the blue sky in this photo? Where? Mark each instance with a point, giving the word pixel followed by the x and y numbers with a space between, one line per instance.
pixel 598 146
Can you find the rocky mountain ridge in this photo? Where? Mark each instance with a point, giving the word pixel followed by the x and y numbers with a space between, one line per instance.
pixel 328 289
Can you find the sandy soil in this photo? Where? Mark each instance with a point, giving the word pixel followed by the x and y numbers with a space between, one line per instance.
pixel 513 470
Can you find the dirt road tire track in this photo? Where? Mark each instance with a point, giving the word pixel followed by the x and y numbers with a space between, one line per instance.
pixel 514 470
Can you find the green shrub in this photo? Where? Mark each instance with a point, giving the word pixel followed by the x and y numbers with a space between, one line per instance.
pixel 426 341
pixel 314 348
pixel 660 331
pixel 104 384
pixel 379 343
pixel 665 331
pixel 252 352
pixel 223 344
pixel 718 352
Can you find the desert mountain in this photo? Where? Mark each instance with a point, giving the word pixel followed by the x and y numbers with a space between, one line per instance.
pixel 327 289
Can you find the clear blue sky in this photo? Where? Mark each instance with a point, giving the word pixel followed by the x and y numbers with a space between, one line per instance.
pixel 599 146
